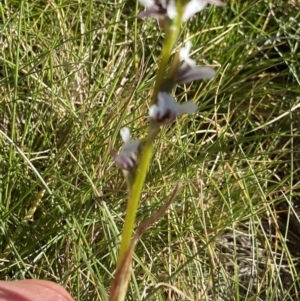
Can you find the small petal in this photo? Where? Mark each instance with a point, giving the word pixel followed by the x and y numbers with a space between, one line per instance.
pixel 131 146
pixel 125 162
pixel 153 8
pixel 125 134
pixel 126 158
pixel 147 3
pixel 166 101
pixel 184 54
pixel 187 75
pixel 167 109
pixel 193 7
pixel 148 13
pixel 171 9
pixel 216 2
pixel 153 111
pixel 188 71
pixel 188 107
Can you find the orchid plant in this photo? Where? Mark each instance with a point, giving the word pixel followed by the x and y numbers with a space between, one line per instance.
pixel 134 156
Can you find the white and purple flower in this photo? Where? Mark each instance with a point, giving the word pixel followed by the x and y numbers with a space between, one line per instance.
pixel 167 8
pixel 126 158
pixel 188 70
pixel 158 9
pixel 195 6
pixel 167 109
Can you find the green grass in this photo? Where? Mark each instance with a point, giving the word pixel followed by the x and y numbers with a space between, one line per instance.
pixel 72 73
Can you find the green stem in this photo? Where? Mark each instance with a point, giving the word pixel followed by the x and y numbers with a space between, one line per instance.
pixel 134 198
pixel 171 38
pixel 135 195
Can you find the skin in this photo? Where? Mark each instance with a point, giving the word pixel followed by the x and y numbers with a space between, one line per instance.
pixel 32 290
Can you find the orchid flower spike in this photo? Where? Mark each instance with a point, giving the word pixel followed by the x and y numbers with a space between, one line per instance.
pixel 126 158
pixel 188 71
pixel 167 109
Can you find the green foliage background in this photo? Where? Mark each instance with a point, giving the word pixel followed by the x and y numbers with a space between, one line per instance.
pixel 72 73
